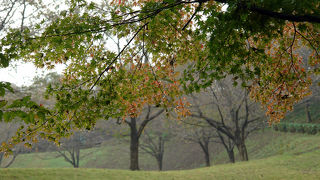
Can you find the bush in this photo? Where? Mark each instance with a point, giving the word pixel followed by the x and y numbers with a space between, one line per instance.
pixel 300 128
pixel 318 128
pixel 311 129
pixel 297 128
pixel 283 127
pixel 292 128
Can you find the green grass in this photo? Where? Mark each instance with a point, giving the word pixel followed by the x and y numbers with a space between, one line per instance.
pixel 273 155
pixel 298 115
pixel 269 143
pixel 289 166
pixel 115 155
pixel 39 160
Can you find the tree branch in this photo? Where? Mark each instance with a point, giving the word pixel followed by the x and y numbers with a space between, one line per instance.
pixel 146 121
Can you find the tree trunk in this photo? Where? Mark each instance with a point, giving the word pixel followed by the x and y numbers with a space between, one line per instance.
pixel 134 154
pixel 309 120
pixel 242 150
pixel 160 153
pixel 159 160
pixel 207 156
pixel 231 156
pixel 77 157
pixel 12 160
pixel 205 149
pixel 134 146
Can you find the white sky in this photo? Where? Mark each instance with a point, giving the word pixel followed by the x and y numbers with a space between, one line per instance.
pixel 22 74
pixel 18 72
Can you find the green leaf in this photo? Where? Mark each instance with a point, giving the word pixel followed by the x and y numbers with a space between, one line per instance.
pixel 8 116
pixel 3 103
pixel 4 61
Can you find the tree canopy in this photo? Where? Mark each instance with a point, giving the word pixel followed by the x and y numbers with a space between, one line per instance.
pixel 169 47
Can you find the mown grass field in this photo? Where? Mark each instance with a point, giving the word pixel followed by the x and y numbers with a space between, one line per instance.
pixel 115 155
pixel 287 166
pixel 273 155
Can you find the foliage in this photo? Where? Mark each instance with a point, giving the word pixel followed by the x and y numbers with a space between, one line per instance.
pixel 25 109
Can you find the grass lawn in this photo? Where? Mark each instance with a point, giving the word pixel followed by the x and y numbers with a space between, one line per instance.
pixel 273 155
pixel 295 166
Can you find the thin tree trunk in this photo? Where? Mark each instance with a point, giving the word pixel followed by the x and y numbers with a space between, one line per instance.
pixel 161 151
pixel 12 160
pixel 77 157
pixel 309 120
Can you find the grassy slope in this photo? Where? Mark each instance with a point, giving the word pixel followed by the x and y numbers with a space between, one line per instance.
pixel 298 115
pixel 270 143
pixel 289 166
pixel 116 155
pixel 273 155
pixel 112 155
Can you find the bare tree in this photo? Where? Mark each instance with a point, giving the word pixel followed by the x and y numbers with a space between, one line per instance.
pixel 228 144
pixel 137 126
pixel 201 135
pixel 232 114
pixel 153 144
pixel 70 148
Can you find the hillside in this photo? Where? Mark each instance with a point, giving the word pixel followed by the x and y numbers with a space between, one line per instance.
pixel 115 155
pixel 303 165
pixel 298 115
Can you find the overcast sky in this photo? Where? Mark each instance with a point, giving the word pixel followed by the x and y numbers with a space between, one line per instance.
pixel 22 74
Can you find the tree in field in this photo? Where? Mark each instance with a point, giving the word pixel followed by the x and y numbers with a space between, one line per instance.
pixel 232 114
pixel 201 135
pixel 198 131
pixel 254 41
pixel 153 143
pixel 70 150
pixel 228 145
pixel 137 126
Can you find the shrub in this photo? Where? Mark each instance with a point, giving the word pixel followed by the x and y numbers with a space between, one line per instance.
pixel 318 128
pixel 300 128
pixel 283 127
pixel 311 129
pixel 297 128
pixel 292 128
